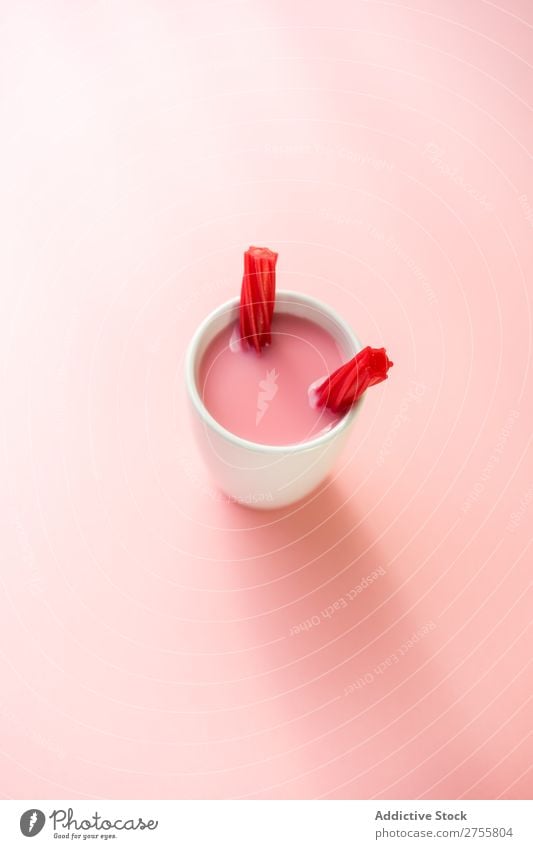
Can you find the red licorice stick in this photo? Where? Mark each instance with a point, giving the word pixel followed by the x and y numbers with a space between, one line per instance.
pixel 342 389
pixel 258 294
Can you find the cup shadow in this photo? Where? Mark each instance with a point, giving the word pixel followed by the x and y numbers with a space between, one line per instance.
pixel 320 551
pixel 307 556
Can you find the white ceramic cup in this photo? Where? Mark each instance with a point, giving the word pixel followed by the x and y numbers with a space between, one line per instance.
pixel 267 476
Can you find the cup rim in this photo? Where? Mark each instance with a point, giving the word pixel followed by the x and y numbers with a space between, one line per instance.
pixel 287 296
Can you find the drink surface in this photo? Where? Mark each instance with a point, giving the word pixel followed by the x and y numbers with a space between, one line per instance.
pixel 265 397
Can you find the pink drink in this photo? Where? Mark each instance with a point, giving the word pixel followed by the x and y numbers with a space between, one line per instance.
pixel 264 397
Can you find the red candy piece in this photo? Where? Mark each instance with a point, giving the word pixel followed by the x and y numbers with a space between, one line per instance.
pixel 258 294
pixel 341 389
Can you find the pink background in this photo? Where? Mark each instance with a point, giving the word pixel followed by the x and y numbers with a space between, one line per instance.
pixel 149 645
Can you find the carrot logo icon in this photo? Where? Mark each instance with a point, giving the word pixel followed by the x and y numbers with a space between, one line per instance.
pixel 32 822
pixel 267 390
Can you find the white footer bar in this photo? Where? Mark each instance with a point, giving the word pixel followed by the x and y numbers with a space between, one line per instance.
pixel 267 824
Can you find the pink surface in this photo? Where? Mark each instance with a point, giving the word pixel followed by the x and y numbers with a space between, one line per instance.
pixel 151 633
pixel 266 397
